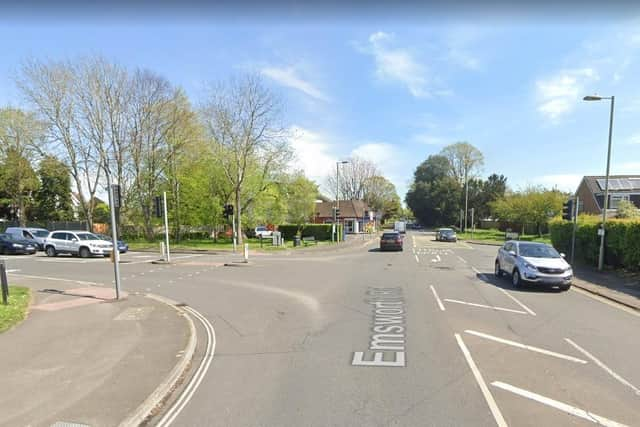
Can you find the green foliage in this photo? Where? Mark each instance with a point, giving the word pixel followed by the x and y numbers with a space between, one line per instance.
pixel 101 213
pixel 16 309
pixel 53 198
pixel 626 209
pixel 534 205
pixel 381 196
pixel 18 181
pixel 319 231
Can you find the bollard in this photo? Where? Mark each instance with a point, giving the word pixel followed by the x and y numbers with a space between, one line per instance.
pixel 4 283
pixel 162 251
pixel 246 252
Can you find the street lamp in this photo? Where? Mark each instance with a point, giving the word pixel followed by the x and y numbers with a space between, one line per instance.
pixel 343 162
pixel 606 180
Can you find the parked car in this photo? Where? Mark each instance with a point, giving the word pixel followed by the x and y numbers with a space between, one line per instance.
pixel 122 246
pixel 391 240
pixel 81 243
pixel 30 233
pixel 446 235
pixel 532 262
pixel 10 244
pixel 262 231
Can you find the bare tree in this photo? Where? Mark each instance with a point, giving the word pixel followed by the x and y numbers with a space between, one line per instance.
pixel 242 118
pixel 353 179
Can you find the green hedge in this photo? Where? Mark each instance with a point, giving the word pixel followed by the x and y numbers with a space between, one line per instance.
pixel 319 231
pixel 622 244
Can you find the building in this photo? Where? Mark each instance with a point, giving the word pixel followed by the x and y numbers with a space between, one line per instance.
pixel 621 187
pixel 354 214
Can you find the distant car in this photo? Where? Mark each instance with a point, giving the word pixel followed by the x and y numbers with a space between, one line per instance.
pixel 122 246
pixel 263 232
pixel 10 244
pixel 30 233
pixel 81 243
pixel 391 240
pixel 533 262
pixel 446 235
pixel 400 227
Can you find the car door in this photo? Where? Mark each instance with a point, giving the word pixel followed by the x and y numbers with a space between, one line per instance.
pixel 73 243
pixel 509 260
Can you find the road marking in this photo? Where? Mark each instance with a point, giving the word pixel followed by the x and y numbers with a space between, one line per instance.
pixel 12 271
pixel 436 259
pixel 55 279
pixel 525 347
pixel 195 381
pixel 527 309
pixel 497 415
pixel 435 294
pixel 414 240
pixel 572 410
pixel 462 259
pixel 144 256
pixel 606 301
pixel 603 366
pixel 417 260
pixel 485 306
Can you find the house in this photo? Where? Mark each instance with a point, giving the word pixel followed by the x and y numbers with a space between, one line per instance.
pixel 354 214
pixel 621 187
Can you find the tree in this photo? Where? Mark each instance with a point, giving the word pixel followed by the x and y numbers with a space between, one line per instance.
pixel 465 161
pixel 53 198
pixel 627 209
pixel 381 196
pixel 533 205
pixel 301 197
pixel 242 118
pixel 353 178
pixel 18 181
pixel 483 192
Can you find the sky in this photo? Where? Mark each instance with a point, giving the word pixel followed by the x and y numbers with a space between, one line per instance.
pixel 393 90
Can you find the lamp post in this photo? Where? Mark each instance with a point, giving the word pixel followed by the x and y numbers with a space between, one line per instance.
pixel 606 180
pixel 338 194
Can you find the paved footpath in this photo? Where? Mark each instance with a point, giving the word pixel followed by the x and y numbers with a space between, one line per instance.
pixel 82 357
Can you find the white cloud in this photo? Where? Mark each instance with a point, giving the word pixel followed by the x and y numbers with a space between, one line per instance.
pixel 397 64
pixel 559 94
pixel 626 168
pixel 564 182
pixel 313 154
pixel 288 77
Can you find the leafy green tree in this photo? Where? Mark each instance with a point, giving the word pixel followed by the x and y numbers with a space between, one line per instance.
pixel 380 194
pixel 53 198
pixel 301 196
pixel 627 209
pixel 19 182
pixel 534 205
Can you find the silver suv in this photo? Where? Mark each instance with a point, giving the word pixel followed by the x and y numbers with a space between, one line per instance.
pixel 81 243
pixel 533 262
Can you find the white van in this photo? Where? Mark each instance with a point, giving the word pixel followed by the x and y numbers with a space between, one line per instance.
pixel 30 233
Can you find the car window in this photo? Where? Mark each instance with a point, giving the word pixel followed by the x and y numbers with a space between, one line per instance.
pixel 87 236
pixel 59 236
pixel 508 247
pixel 538 251
pixel 41 233
pixel 5 237
pixel 26 234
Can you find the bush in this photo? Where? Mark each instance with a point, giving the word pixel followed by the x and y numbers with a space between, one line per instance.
pixel 319 231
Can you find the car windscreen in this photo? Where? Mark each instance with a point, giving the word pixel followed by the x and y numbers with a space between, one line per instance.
pixel 538 251
pixel 40 233
pixel 87 236
pixel 6 237
pixel 390 236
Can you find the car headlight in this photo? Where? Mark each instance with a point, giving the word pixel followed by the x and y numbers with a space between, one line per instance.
pixel 530 266
pixel 18 245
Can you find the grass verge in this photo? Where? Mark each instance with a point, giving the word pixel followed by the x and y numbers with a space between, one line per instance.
pixel 15 311
pixel 220 245
pixel 497 236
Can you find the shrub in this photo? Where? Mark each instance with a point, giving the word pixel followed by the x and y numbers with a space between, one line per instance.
pixel 319 231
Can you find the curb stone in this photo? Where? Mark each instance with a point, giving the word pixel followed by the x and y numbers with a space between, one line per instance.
pixel 168 385
pixel 606 295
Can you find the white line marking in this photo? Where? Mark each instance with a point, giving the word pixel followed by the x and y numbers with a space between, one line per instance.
pixel 572 410
pixel 195 381
pixel 606 301
pixel 462 259
pixel 417 260
pixel 526 347
pixel 485 306
pixel 12 271
pixel 603 366
pixel 435 294
pixel 55 279
pixel 497 415
pixel 438 257
pixel 475 270
pixel 527 309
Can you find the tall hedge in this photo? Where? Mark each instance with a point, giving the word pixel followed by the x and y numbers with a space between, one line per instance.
pixel 319 231
pixel 622 243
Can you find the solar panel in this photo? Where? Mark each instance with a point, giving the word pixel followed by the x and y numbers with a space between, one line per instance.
pixel 620 183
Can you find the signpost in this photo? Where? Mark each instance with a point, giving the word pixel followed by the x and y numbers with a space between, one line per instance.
pixel 114 203
pixel 166 225
pixel 4 282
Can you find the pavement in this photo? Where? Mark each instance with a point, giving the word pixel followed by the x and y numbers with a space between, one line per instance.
pixel 358 337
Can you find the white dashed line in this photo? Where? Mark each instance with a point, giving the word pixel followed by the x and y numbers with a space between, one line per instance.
pixel 485 306
pixel 603 366
pixel 572 410
pixel 462 259
pixel 527 309
pixel 417 260
pixel 435 294
pixel 525 347
pixel 497 415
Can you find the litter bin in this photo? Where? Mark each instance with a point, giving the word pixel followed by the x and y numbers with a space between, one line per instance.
pixel 296 241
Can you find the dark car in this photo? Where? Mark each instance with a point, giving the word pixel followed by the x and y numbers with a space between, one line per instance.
pixel 391 240
pixel 446 235
pixel 122 246
pixel 9 244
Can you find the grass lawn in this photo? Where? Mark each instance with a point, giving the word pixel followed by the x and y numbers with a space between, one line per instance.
pixel 497 236
pixel 220 245
pixel 15 311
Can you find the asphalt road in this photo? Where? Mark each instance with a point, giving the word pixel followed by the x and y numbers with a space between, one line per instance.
pixel 357 337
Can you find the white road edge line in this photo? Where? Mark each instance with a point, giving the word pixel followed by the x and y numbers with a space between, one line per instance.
pixel 435 294
pixel 497 415
pixel 56 279
pixel 572 410
pixel 527 309
pixel 193 385
pixel 606 301
pixel 603 366
pixel 485 306
pixel 524 346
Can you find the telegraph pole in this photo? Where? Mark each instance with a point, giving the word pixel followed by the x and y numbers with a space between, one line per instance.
pixel 166 225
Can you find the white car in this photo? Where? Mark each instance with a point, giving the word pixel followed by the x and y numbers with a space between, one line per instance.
pixel 81 243
pixel 532 262
pixel 263 232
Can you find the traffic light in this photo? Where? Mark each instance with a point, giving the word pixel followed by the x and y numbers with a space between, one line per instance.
pixel 228 211
pixel 337 212
pixel 117 201
pixel 157 206
pixel 567 210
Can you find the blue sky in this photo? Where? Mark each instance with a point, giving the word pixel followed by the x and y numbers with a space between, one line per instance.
pixel 395 91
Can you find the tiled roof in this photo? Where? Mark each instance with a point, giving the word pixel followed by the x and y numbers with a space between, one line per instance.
pixel 348 209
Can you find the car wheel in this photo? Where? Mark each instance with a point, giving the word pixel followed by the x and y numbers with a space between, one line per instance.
pixel 51 251
pixel 498 271
pixel 565 287
pixel 84 253
pixel 515 279
pixel 3 251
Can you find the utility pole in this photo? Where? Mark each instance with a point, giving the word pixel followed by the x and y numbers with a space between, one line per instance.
pixel 114 231
pixel 472 223
pixel 166 225
pixel 466 197
pixel 576 207
pixel 233 225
